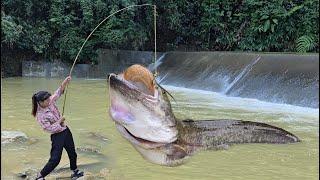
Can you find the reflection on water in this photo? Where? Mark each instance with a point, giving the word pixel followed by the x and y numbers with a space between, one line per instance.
pixel 103 147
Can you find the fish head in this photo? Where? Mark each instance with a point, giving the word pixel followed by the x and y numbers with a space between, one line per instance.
pixel 142 113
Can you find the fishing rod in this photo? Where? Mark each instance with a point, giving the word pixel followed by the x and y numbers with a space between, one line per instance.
pixel 128 7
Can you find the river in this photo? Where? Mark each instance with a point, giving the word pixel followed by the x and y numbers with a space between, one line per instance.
pixel 86 114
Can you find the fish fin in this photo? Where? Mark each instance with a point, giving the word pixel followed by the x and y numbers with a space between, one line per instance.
pixel 175 152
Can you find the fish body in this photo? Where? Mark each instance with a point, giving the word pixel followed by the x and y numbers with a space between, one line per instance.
pixel 147 121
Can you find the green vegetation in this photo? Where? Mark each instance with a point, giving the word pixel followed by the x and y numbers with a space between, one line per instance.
pixel 55 29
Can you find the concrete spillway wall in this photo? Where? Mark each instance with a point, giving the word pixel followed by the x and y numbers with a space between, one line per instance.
pixel 109 61
pixel 273 77
pixel 281 78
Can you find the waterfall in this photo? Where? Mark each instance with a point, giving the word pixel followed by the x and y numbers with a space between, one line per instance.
pixel 243 73
pixel 275 77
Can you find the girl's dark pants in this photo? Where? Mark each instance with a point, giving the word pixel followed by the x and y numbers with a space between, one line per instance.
pixel 59 141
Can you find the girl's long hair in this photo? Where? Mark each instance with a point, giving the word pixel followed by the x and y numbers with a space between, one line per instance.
pixel 34 105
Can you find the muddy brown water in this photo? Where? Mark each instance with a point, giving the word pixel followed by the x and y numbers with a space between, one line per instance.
pixel 86 115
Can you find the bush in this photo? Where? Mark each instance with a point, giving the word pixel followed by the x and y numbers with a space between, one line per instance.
pixel 57 28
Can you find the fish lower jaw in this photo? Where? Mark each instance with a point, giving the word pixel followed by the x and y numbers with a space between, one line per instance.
pixel 136 141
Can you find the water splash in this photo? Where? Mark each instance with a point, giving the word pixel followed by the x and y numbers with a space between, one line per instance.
pixel 153 66
pixel 244 73
pixel 162 78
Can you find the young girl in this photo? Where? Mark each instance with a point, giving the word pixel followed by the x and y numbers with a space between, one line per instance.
pixel 48 116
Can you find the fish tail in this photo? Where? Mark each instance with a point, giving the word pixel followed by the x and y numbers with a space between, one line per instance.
pixel 212 133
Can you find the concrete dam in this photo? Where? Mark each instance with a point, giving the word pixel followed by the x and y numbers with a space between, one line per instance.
pixel 271 77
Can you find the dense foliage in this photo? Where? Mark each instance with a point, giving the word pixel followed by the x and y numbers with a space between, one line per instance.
pixel 55 29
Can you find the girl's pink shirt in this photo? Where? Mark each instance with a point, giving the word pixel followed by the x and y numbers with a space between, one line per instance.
pixel 48 117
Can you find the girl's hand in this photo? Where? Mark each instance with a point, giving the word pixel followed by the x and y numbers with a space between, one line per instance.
pixel 62 121
pixel 67 80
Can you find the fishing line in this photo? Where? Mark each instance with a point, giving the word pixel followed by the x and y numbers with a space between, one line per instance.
pixel 155 41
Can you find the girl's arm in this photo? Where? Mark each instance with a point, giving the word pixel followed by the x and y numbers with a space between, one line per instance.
pixel 61 89
pixel 50 127
pixel 65 83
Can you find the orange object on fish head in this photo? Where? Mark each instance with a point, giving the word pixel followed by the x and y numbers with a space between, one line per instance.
pixel 141 77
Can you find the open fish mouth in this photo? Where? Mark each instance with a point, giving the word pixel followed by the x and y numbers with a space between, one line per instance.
pixel 136 140
pixel 125 98
pixel 124 86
